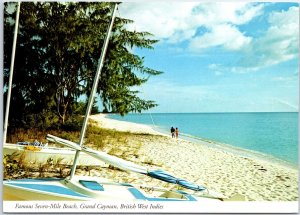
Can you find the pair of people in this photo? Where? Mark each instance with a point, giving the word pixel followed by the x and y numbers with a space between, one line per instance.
pixel 174 132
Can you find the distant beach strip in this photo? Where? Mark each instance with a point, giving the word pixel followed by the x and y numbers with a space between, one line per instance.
pixel 265 135
pixel 216 168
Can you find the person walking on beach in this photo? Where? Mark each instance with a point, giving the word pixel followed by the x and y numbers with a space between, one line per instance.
pixel 176 132
pixel 172 132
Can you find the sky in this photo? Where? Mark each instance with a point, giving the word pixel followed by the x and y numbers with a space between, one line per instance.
pixel 220 57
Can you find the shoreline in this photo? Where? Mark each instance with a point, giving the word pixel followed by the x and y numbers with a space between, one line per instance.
pixel 242 152
pixel 123 125
pixel 213 167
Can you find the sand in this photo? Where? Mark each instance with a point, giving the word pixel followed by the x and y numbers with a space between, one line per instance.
pixel 219 170
pixel 122 125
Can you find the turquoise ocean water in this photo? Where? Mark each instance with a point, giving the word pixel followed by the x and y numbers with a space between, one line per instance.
pixel 270 135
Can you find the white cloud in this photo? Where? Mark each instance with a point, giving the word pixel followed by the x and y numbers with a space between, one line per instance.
pixel 280 42
pixel 213 66
pixel 221 20
pixel 179 21
pixel 236 13
pixel 221 35
pixel 166 20
pixel 175 22
pixel 216 68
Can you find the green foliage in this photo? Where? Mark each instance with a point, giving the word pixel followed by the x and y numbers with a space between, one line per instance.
pixel 10 165
pixel 30 135
pixel 96 137
pixel 44 120
pixel 73 123
pixel 48 121
pixel 14 165
pixel 57 54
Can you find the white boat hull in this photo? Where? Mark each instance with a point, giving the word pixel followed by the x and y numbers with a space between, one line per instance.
pixel 85 188
pixel 56 155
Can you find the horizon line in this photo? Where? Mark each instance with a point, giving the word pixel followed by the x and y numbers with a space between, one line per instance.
pixel 209 112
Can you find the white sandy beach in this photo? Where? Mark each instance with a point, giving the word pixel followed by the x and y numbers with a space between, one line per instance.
pixel 218 170
pixel 122 126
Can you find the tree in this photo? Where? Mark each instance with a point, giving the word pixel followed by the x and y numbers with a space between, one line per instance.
pixel 59 45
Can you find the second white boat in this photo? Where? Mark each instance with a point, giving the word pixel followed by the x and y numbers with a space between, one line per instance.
pixel 42 155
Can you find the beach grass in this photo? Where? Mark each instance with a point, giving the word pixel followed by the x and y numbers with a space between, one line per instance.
pixel 96 136
pixel 218 170
pixel 112 141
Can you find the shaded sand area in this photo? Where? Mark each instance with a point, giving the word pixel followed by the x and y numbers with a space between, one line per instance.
pixel 219 170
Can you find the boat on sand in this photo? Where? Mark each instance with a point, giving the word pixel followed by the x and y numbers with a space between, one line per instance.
pixel 85 188
pixel 42 154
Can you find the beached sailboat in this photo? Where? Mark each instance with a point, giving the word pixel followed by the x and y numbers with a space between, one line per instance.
pixel 82 188
pixel 41 154
pixel 79 188
pixel 85 188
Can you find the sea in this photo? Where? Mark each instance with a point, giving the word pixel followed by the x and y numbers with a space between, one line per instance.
pixel 267 135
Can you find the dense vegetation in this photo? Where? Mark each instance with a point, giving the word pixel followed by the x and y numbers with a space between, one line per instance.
pixel 57 54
